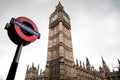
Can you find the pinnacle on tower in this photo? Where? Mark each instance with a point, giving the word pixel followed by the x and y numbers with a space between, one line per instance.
pixel 33 64
pixel 27 67
pixel 103 62
pixel 80 64
pixel 88 66
pixel 118 61
pixel 83 65
pixel 119 64
pixel 100 68
pixel 105 67
pixel 40 71
pixel 87 61
pixel 38 67
pixel 76 62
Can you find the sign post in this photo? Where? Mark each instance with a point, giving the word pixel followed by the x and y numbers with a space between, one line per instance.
pixel 22 31
pixel 14 64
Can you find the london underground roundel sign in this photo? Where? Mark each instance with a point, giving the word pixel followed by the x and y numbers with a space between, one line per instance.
pixel 22 30
pixel 31 27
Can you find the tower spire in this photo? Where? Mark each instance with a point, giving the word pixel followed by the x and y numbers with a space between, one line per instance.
pixel 59 7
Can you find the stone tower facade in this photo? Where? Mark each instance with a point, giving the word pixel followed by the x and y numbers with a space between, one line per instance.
pixel 60 63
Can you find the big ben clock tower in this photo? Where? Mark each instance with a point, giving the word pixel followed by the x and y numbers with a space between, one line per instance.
pixel 60 62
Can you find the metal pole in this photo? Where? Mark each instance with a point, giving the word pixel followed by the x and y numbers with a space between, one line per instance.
pixel 14 64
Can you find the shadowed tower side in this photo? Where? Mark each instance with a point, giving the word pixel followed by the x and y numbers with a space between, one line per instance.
pixel 60 62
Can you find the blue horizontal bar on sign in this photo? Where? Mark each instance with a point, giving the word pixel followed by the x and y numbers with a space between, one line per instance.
pixel 25 27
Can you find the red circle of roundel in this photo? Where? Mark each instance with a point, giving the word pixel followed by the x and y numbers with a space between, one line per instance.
pixel 21 34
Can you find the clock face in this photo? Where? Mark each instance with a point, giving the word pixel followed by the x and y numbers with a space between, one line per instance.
pixel 66 18
pixel 54 18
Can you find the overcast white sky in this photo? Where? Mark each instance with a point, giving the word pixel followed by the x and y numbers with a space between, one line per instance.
pixel 95 31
